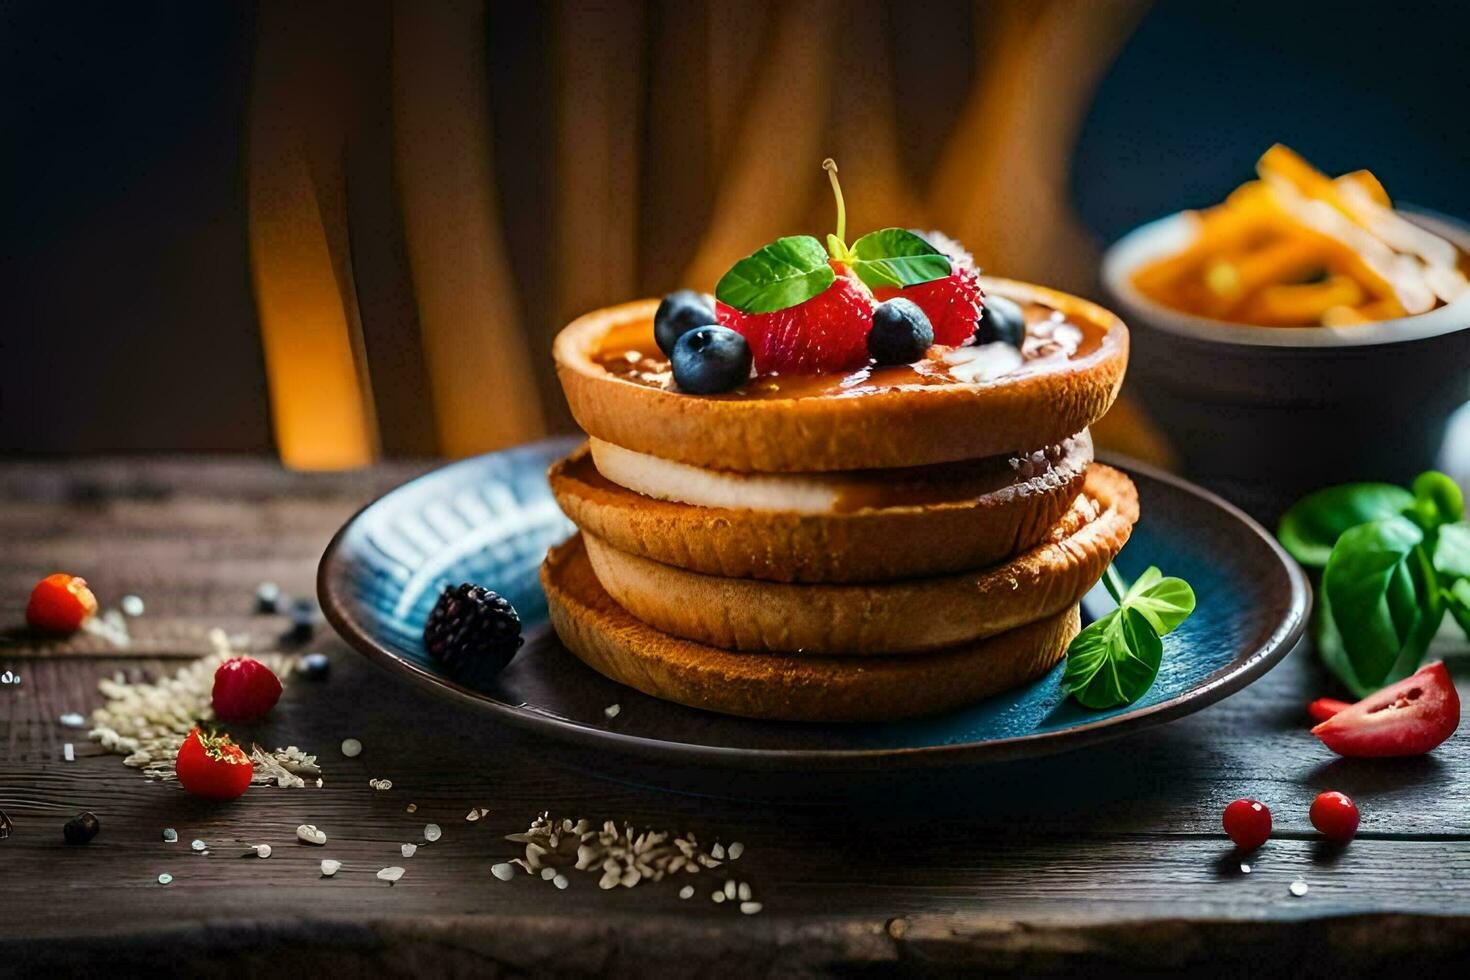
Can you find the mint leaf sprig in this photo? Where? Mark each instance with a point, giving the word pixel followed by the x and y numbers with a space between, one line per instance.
pixel 1115 660
pixel 1393 562
pixel 792 270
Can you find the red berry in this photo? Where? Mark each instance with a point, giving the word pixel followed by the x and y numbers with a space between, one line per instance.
pixel 60 603
pixel 953 304
pixel 1248 823
pixel 244 689
pixel 825 335
pixel 213 767
pixel 1335 816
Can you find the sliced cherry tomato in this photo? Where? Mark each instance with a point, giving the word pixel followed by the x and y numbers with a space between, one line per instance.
pixel 1324 708
pixel 213 767
pixel 60 603
pixel 1407 718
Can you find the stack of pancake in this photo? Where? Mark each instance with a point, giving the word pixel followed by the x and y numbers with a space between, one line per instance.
pixel 883 545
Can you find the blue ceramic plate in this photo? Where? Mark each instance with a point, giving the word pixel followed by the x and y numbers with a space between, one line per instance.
pixel 490 520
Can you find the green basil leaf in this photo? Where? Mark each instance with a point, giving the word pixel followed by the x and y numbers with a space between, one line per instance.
pixel 1329 646
pixel 1312 526
pixel 1437 499
pixel 897 257
pixel 1452 550
pixel 1164 602
pixel 1375 593
pixel 1151 575
pixel 1457 601
pixel 1114 661
pixel 785 273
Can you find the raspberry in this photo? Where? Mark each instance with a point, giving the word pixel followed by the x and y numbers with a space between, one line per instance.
pixel 244 689
pixel 825 335
pixel 953 304
pixel 473 631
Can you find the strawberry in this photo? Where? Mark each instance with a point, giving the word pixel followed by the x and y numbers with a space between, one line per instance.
pixel 244 689
pixel 953 304
pixel 213 767
pixel 826 334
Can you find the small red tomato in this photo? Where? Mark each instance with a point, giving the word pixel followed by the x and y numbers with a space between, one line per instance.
pixel 1335 816
pixel 244 689
pixel 1248 823
pixel 60 603
pixel 1324 708
pixel 213 767
pixel 1407 718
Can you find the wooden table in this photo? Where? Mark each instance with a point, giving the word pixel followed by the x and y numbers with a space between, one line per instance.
pixel 1104 859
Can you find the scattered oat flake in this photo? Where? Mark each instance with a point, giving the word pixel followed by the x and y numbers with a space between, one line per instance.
pixel 1298 888
pixel 717 852
pixel 687 891
pixel 262 850
pixel 548 873
pixel 612 710
pixel 390 874
pixel 198 844
pixel 408 849
pixel 750 908
pixel 505 872
pixel 309 834
pixel 131 605
pixel 730 888
pixel 412 808
pixel 1245 869
pixel 717 897
pixel 330 867
pixel 432 832
pixel 735 850
pixel 165 878
pixel 69 752
pixel 72 720
pixel 743 891
pixel 560 881
pixel 351 748
pixel 476 813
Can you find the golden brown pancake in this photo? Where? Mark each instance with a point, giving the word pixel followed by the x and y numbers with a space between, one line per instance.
pixel 614 643
pixel 927 534
pixel 897 426
pixel 886 618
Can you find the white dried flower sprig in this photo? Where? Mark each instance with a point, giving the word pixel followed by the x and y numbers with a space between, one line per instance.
pixel 622 856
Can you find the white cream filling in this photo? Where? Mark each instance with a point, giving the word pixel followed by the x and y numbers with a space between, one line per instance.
pixel 665 479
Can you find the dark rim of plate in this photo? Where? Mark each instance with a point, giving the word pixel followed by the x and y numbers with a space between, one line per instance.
pixel 1226 681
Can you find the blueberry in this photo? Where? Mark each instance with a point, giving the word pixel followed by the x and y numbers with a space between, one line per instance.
pixel 901 333
pixel 81 828
pixel 1001 320
pixel 708 360
pixel 314 666
pixel 680 312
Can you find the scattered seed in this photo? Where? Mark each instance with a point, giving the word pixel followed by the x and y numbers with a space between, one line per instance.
pixel 380 783
pixel 330 867
pixel 165 878
pixel 351 748
pixel 267 598
pixel 548 873
pixel 735 850
pixel 503 871
pixel 69 752
pixel 408 849
pixel 476 813
pixel 390 874
pixel 560 881
pixel 131 605
pixel 1245 869
pixel 198 844
pixel 717 852
pixel 170 836
pixel 309 834
pixel 73 720
pixel 1298 888
pixel 687 891
pixel 750 908
pixel 718 897
pixel 432 832
pixel 744 891
pixel 81 828
pixel 314 666
pixel 612 710
pixel 730 888
pixel 262 850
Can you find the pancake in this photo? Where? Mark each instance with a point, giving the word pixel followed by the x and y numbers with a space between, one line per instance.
pixel 948 521
pixel 867 426
pixel 885 618
pixel 837 689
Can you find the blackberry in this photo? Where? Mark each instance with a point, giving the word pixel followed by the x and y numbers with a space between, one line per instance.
pixel 472 631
